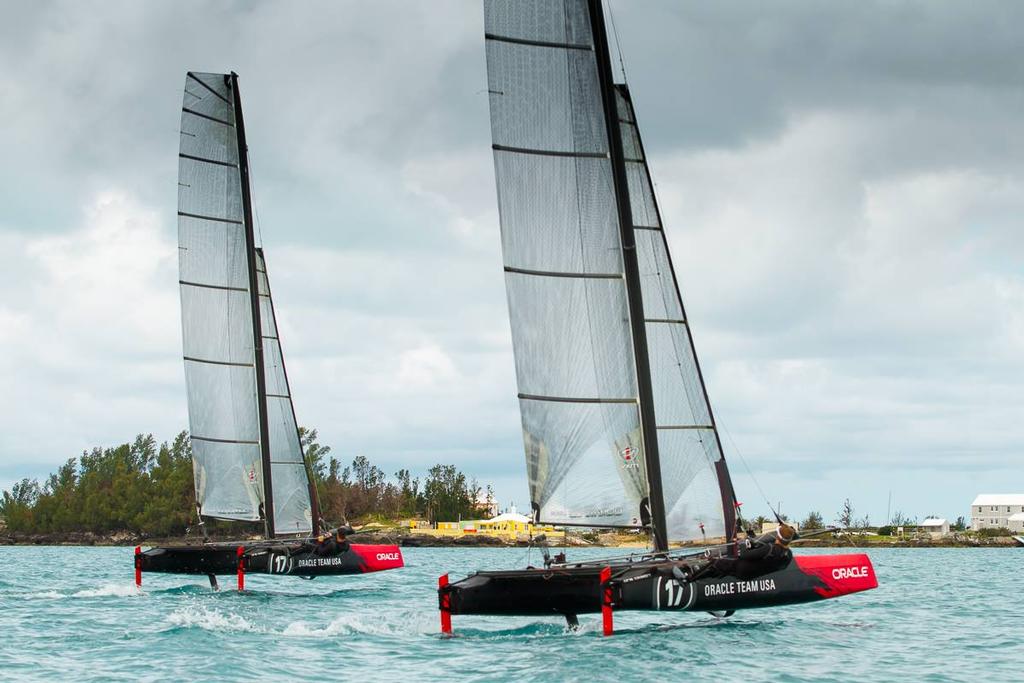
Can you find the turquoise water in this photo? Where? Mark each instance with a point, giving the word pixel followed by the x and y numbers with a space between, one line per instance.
pixel 74 613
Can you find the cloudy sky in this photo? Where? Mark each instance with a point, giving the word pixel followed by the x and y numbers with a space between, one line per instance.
pixel 843 185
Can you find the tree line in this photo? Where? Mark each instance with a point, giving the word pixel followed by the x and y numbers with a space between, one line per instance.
pixel 846 518
pixel 147 488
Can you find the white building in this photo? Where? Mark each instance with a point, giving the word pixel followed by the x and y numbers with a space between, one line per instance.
pixel 1015 523
pixel 995 510
pixel 935 526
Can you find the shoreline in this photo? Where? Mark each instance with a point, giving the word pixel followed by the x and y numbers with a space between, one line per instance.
pixel 406 540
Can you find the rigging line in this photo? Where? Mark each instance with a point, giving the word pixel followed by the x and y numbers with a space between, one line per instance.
pixel 618 45
pixel 747 466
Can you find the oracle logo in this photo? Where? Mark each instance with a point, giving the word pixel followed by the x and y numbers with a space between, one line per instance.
pixel 388 556
pixel 850 573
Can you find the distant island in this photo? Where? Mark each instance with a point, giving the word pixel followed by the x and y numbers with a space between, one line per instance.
pixel 143 492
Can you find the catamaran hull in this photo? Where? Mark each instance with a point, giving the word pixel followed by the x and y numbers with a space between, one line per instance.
pixel 279 559
pixel 580 590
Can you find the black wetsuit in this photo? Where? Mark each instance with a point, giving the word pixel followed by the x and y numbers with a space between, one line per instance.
pixel 756 558
pixel 331 546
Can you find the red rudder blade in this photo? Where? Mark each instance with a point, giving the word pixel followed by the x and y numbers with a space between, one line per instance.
pixel 606 601
pixel 138 566
pixel 241 569
pixel 445 604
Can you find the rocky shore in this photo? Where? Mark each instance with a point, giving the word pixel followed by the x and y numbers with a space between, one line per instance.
pixel 410 540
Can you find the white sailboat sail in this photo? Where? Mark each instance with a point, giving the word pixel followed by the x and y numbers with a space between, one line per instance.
pixel 218 333
pixel 563 266
pixel 582 364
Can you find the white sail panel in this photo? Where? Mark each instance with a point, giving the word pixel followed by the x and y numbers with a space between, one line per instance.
pixel 293 512
pixel 687 441
pixel 216 315
pixel 564 273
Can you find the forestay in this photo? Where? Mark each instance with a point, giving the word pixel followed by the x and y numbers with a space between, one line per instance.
pixel 687 439
pixel 563 265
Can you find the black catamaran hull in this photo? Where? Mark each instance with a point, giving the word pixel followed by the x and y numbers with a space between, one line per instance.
pixel 282 558
pixel 569 591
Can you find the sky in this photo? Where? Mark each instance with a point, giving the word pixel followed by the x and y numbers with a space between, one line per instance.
pixel 842 186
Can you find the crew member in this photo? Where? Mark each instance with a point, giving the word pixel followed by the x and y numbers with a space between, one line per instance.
pixel 763 555
pixel 341 544
pixel 334 542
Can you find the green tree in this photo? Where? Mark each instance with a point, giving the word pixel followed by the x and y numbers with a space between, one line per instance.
pixel 447 495
pixel 813 520
pixel 844 517
pixel 316 453
pixel 148 489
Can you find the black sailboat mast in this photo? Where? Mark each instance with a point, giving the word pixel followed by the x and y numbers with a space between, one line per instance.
pixel 631 270
pixel 254 301
pixel 721 469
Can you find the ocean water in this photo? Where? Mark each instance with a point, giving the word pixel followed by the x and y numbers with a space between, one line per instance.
pixel 75 614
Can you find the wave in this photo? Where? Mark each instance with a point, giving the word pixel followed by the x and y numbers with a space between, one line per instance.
pixel 110 590
pixel 210 620
pixel 43 595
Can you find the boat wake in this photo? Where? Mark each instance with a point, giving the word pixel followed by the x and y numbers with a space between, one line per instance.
pixel 110 590
pixel 44 595
pixel 210 620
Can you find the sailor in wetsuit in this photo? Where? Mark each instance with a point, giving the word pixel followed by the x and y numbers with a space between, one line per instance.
pixel 333 544
pixel 758 557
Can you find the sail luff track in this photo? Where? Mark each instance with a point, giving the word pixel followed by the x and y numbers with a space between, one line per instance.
pixel 632 275
pixel 250 241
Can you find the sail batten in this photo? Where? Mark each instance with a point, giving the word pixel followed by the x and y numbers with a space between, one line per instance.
pixel 207 116
pixel 538 43
pixel 567 399
pixel 550 152
pixel 216 219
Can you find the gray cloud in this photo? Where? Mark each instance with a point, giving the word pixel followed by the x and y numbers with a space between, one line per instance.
pixel 842 186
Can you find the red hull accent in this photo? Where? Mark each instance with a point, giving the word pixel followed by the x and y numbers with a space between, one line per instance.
pixel 138 566
pixel 446 606
pixel 377 558
pixel 607 627
pixel 841 574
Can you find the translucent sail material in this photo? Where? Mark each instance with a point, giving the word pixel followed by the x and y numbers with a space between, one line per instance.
pixel 687 442
pixel 216 311
pixel 217 328
pixel 563 263
pixel 292 505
